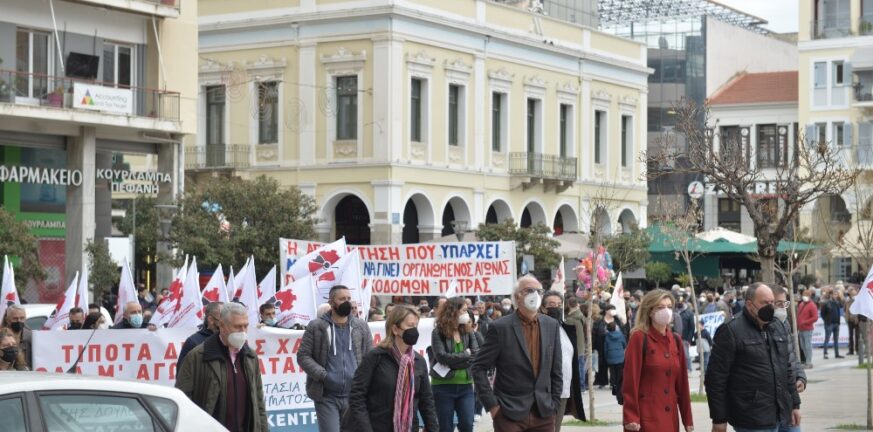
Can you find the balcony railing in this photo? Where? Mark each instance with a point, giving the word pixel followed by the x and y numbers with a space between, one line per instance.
pixel 174 4
pixel 24 88
pixel 834 27
pixel 543 166
pixel 234 156
pixel 864 154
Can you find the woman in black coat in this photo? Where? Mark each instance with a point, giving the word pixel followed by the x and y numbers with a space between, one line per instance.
pixel 601 378
pixel 373 406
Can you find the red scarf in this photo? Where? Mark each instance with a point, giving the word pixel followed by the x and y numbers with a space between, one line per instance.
pixel 404 392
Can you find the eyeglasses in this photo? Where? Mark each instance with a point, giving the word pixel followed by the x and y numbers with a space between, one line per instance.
pixel 782 304
pixel 527 291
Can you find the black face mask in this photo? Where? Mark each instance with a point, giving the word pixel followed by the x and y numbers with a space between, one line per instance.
pixel 410 336
pixel 344 309
pixel 9 354
pixel 17 326
pixel 766 313
pixel 75 325
pixel 554 312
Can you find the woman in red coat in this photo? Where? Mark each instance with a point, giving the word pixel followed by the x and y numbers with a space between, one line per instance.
pixel 655 385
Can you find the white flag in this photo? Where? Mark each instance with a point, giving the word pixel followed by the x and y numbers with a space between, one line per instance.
pixel 8 292
pixel 559 281
pixel 317 261
pixel 216 290
pixel 863 304
pixel 452 290
pixel 83 297
pixel 267 287
pixel 237 285
pixel 295 303
pixel 247 291
pixel 126 291
pixel 346 271
pixel 617 299
pixel 231 283
pixel 165 310
pixel 189 308
pixel 59 317
pixel 366 292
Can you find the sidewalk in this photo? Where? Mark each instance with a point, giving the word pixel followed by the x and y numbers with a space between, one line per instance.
pixel 836 394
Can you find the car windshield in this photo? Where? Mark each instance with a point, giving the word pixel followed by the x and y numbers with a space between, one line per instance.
pixel 90 413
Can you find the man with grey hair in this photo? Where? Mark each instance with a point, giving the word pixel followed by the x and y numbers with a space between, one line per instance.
pixel 525 350
pixel 133 318
pixel 222 375
pixel 750 382
pixel 211 321
pixel 330 352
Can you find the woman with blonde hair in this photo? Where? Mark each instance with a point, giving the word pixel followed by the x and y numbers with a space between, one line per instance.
pixel 655 384
pixel 391 384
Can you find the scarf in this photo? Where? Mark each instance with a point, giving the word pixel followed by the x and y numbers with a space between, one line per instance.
pixel 404 392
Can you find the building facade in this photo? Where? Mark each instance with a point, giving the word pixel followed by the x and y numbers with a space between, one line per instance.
pixel 835 106
pixel 404 118
pixel 82 85
pixel 694 47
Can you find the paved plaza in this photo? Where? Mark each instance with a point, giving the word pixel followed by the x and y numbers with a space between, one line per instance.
pixel 836 395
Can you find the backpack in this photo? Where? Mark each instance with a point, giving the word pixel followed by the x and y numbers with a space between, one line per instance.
pixel 616 391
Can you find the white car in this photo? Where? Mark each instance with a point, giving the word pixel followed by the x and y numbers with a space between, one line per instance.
pixel 38 313
pixel 32 401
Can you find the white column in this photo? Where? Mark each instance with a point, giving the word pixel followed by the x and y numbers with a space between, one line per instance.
pixel 387 98
pixel 586 160
pixel 387 223
pixel 81 154
pixel 479 108
pixel 307 91
pixel 477 214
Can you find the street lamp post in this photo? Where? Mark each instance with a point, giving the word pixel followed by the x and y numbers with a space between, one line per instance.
pixel 460 227
pixel 165 218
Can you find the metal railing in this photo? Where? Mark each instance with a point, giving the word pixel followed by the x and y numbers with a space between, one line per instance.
pixel 835 27
pixel 55 91
pixel 864 154
pixel 542 166
pixel 233 156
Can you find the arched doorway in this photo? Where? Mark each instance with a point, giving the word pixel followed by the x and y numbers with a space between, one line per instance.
pixel 532 214
pixel 627 221
pixel 565 220
pixel 410 223
pixel 352 220
pixel 497 212
pixel 455 210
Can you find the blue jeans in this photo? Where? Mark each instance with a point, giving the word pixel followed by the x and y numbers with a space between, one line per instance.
pixel 706 360
pixel 832 329
pixel 806 345
pixel 583 374
pixel 786 428
pixel 772 429
pixel 454 398
pixel 330 412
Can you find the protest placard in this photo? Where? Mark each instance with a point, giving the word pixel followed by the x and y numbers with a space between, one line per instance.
pixel 424 269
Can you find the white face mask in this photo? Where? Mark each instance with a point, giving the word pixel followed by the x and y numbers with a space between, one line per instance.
pixel 532 301
pixel 236 340
pixel 464 319
pixel 805 298
pixel 663 316
pixel 781 314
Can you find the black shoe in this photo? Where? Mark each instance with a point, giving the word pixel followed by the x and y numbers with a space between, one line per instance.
pixel 839 356
pixel 826 356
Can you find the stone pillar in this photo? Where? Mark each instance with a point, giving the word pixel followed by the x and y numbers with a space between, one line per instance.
pixel 427 233
pixel 103 199
pixel 168 162
pixel 81 154
pixel 386 227
pixel 307 86
pixel 388 104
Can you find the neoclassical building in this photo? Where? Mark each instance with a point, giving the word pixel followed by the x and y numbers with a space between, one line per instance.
pixel 402 117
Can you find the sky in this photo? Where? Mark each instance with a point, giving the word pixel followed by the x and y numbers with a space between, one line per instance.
pixel 780 14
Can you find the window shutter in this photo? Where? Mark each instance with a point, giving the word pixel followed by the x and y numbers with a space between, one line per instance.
pixel 847 74
pixel 847 134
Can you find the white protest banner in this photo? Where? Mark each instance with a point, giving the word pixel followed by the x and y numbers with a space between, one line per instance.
pixel 818 334
pixel 425 269
pixel 150 356
pixel 712 321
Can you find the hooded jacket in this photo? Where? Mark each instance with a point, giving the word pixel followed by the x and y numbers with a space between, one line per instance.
pixel 319 342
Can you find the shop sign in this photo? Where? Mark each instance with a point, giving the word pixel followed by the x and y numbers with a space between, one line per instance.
pixel 100 98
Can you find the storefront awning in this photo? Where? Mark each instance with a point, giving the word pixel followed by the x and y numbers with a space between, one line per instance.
pixel 862 58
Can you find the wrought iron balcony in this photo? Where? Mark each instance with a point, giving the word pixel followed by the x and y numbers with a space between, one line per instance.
pixel 22 88
pixel 211 157
pixel 544 166
pixel 837 26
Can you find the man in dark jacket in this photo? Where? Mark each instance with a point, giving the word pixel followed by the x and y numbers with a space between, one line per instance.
pixel 525 349
pixel 571 395
pixel 222 375
pixel 749 383
pixel 208 328
pixel 331 350
pixel 830 314
pixel 688 329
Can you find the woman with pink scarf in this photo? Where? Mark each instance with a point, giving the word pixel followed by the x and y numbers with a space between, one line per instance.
pixel 391 384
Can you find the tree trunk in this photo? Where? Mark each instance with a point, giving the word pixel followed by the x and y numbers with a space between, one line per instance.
pixel 693 300
pixel 767 257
